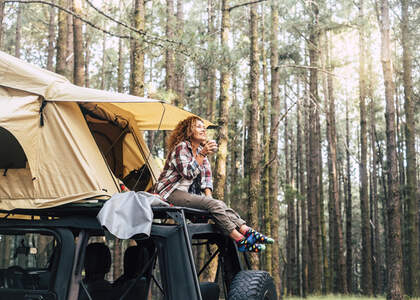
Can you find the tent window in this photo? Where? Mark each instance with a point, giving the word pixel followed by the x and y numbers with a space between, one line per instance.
pixel 12 155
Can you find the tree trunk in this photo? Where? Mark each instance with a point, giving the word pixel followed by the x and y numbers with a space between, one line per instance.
pixel 395 270
pixel 376 245
pixel 69 41
pixel 1 22
pixel 79 60
pixel 18 32
pixel 349 243
pixel 315 277
pixel 274 136
pixel 103 64
pixel 254 170
pixel 87 59
pixel 265 112
pixel 304 243
pixel 211 82
pixel 340 281
pixel 61 44
pixel 120 70
pixel 225 79
pixel 180 60
pixel 137 75
pixel 367 287
pixel 412 234
pixel 170 63
pixel 51 36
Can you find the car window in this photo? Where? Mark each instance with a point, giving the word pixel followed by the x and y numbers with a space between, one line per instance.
pixel 26 260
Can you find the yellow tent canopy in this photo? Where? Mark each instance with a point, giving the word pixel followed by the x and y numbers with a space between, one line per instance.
pixel 150 115
pixel 61 143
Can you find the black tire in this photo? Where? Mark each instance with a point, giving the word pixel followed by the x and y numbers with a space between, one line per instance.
pixel 252 285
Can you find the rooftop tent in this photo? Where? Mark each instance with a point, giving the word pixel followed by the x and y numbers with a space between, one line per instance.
pixel 62 143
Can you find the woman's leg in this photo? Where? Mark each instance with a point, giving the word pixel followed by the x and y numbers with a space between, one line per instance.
pixel 215 207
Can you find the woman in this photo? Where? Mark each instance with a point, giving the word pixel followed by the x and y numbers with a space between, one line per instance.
pixel 187 162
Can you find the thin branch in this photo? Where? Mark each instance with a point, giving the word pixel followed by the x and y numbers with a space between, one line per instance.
pixel 244 4
pixel 148 38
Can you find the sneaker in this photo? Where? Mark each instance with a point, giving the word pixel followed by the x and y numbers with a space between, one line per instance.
pixel 245 246
pixel 254 236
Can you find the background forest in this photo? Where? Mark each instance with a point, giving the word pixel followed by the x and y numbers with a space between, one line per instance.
pixel 317 103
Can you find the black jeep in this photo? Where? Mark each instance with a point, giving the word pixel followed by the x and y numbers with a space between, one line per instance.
pixel 63 253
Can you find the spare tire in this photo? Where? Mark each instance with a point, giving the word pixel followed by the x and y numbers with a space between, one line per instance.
pixel 252 285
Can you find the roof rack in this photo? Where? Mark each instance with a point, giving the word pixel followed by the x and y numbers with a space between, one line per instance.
pixel 92 209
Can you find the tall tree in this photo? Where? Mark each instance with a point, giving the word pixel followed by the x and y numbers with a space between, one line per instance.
pixel 315 277
pixel 265 113
pixel 61 43
pixel 339 263
pixel 412 234
pixel 70 42
pixel 395 265
pixel 137 73
pixel 79 58
pixel 224 100
pixel 211 82
pixel 180 60
pixel 349 238
pixel 254 170
pixel 366 280
pixel 18 31
pixel 170 54
pixel 51 36
pixel 302 199
pixel 1 22
pixel 374 199
pixel 274 138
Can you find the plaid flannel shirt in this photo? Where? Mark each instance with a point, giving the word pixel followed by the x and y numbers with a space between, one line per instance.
pixel 181 163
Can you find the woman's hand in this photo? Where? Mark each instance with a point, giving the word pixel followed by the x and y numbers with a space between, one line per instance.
pixel 209 148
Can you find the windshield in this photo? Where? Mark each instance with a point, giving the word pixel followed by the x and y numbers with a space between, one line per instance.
pixel 26 259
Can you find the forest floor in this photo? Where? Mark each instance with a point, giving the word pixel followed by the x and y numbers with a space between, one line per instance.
pixel 333 297
pixel 341 297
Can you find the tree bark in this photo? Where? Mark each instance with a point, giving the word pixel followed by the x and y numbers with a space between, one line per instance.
pixel 137 81
pixel 340 282
pixel 377 252
pixel 225 82
pixel 315 278
pixel 274 136
pixel 412 232
pixel 61 43
pixel 69 56
pixel 366 280
pixel 87 60
pixel 349 242
pixel 79 59
pixel 51 36
pixel 395 267
pixel 180 60
pixel 18 32
pixel 1 22
pixel 170 58
pixel 265 112
pixel 304 242
pixel 211 82
pixel 254 170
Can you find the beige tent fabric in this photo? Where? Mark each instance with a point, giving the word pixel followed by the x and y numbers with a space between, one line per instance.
pixel 64 162
pixel 21 75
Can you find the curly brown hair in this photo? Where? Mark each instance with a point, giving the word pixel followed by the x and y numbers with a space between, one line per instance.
pixel 182 132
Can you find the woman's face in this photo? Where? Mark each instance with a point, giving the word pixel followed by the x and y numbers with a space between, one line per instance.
pixel 199 132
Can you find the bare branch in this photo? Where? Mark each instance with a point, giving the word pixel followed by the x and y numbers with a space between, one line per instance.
pixel 181 48
pixel 244 4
